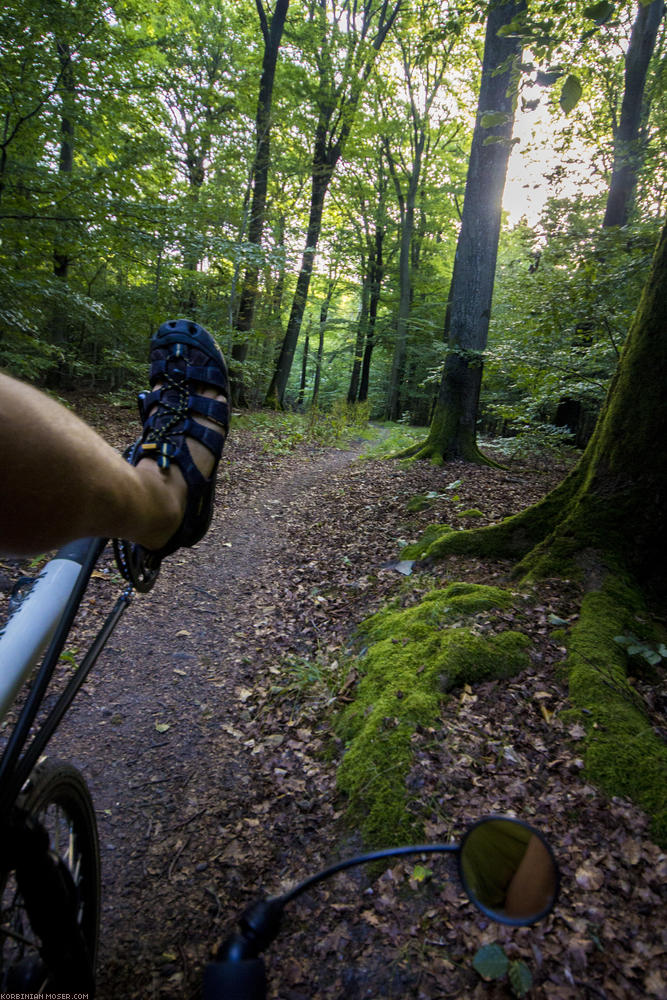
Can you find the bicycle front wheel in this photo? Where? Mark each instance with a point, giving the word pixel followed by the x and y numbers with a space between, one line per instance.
pixel 57 795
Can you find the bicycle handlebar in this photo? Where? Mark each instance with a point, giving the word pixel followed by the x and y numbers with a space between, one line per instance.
pixel 242 980
pixel 506 868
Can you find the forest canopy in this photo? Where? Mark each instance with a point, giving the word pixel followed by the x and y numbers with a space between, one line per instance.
pixel 131 157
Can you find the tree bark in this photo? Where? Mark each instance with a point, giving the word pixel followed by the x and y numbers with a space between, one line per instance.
pixel 249 290
pixel 628 150
pixel 304 368
pixel 59 327
pixel 324 312
pixel 610 509
pixel 362 327
pixel 376 274
pixel 61 258
pixel 320 183
pixel 453 429
pixel 338 101
pixel 407 202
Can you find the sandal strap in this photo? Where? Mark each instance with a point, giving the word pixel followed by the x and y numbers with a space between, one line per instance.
pixel 206 406
pixel 192 373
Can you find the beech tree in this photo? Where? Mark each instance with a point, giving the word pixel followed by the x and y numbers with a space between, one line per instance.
pixel 272 32
pixel 627 133
pixel 350 36
pixel 453 428
pixel 424 61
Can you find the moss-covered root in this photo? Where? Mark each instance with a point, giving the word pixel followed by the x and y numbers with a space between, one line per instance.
pixel 623 753
pixel 515 537
pixel 412 661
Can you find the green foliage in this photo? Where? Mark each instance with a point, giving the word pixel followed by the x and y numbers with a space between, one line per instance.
pixel 150 217
pixel 652 653
pixel 562 308
pixel 491 962
pixel 280 433
pixel 570 94
pixel 392 438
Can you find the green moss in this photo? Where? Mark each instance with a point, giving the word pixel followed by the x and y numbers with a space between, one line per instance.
pixel 437 609
pixel 473 512
pixel 419 549
pixel 413 660
pixel 624 755
pixel 419 502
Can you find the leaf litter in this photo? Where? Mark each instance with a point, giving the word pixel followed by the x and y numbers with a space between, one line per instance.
pixel 205 734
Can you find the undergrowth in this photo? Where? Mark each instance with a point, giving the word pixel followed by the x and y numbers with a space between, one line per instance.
pixel 281 433
pixel 389 438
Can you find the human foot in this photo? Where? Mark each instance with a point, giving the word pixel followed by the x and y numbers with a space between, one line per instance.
pixel 185 418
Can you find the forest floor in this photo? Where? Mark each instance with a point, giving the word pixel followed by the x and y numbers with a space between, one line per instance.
pixel 205 732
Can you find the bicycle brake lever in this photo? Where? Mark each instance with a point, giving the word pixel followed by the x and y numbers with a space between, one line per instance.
pixel 259 926
pixel 238 973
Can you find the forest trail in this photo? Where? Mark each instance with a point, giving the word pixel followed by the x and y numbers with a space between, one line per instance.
pixel 163 732
pixel 204 732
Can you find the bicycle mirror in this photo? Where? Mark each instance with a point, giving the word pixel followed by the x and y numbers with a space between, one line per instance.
pixel 508 870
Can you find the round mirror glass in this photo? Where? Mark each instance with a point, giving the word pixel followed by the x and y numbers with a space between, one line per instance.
pixel 508 870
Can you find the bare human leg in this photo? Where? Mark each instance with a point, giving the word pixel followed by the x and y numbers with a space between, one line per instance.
pixel 62 481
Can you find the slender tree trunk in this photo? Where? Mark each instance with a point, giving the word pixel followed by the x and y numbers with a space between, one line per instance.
pixel 59 323
pixel 324 312
pixel 377 273
pixel 362 326
pixel 338 102
pixel 628 152
pixel 61 258
pixel 453 429
pixel 249 291
pixel 322 174
pixel 304 367
pixel 407 204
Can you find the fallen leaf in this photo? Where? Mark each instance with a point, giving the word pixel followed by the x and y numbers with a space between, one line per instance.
pixel 589 877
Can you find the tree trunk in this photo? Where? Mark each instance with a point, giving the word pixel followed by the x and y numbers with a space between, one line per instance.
pixel 324 312
pixel 321 176
pixel 249 290
pixel 338 101
pixel 376 274
pixel 362 326
pixel 453 429
pixel 59 322
pixel 61 258
pixel 407 204
pixel 610 509
pixel 304 367
pixel 627 143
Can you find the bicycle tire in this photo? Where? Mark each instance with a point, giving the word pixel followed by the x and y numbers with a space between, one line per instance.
pixel 58 796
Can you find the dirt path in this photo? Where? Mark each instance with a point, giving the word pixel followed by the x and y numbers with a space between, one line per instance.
pixel 162 732
pixel 203 732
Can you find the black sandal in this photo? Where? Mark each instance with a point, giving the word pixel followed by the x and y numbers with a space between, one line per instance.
pixel 183 355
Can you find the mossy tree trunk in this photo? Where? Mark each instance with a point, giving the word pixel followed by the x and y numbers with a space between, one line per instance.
pixel 453 428
pixel 609 513
pixel 606 523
